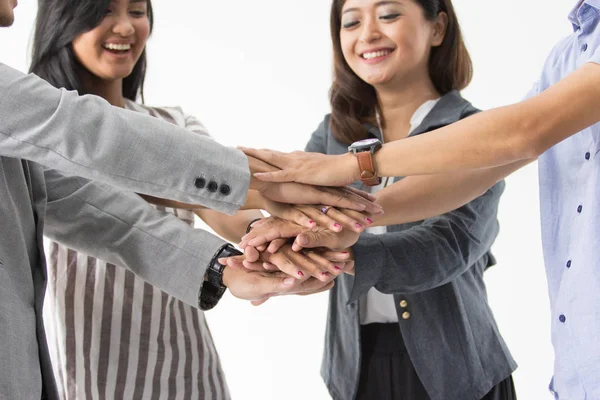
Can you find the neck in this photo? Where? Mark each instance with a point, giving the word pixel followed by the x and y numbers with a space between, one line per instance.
pixel 111 91
pixel 397 106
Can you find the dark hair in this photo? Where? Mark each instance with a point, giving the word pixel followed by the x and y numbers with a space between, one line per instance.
pixel 353 101
pixel 58 23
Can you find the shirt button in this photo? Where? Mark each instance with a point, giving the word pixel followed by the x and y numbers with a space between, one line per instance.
pixel 200 183
pixel 587 156
pixel 404 304
pixel 579 209
pixel 212 186
pixel 584 47
pixel 406 315
pixel 225 189
pixel 569 264
pixel 562 319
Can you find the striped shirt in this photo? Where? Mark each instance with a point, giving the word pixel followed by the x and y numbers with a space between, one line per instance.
pixel 114 336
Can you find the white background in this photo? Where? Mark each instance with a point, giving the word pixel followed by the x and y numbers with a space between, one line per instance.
pixel 257 73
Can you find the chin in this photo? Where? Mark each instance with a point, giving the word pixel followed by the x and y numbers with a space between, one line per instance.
pixel 6 20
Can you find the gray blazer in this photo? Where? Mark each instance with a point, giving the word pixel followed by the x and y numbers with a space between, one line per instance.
pixel 41 125
pixel 436 266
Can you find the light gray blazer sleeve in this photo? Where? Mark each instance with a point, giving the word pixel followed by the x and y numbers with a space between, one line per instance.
pixel 86 136
pixel 121 228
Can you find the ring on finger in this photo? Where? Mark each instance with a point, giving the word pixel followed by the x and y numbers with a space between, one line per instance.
pixel 324 209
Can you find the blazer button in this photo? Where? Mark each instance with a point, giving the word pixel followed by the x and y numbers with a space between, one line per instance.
pixel 404 304
pixel 212 186
pixel 406 315
pixel 225 189
pixel 200 183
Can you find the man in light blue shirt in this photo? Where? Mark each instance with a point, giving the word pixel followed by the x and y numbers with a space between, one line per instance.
pixel 570 214
pixel 559 124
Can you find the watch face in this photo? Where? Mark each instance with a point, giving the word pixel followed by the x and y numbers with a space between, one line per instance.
pixel 364 144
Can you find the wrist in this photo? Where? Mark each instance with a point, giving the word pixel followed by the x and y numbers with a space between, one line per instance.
pixel 254 200
pixel 349 163
pixel 214 286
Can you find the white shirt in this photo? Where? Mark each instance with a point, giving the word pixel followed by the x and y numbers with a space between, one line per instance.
pixel 377 307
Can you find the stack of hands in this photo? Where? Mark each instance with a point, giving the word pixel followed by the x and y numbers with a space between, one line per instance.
pixel 302 248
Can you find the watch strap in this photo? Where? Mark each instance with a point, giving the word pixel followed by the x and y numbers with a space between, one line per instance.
pixel 213 288
pixel 368 175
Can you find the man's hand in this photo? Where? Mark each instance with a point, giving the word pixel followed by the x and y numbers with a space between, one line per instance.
pixel 296 193
pixel 321 237
pixel 258 287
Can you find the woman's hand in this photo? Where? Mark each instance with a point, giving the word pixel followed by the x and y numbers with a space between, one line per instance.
pixel 310 168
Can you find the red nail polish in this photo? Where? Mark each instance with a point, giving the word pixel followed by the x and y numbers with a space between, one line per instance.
pixel 369 220
pixel 358 225
pixel 344 252
pixel 337 225
pixel 300 273
pixel 324 273
pixel 337 268
pixel 311 222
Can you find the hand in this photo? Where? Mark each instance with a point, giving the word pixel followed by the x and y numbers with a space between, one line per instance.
pixel 310 168
pixel 260 286
pixel 321 237
pixel 296 193
pixel 311 216
pixel 300 265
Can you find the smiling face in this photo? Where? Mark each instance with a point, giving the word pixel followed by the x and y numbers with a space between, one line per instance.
pixel 7 15
pixel 388 42
pixel 111 50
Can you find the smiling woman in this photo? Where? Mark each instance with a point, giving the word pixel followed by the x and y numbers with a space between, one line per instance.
pixel 111 334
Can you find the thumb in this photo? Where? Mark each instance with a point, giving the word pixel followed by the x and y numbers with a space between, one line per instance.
pixel 310 239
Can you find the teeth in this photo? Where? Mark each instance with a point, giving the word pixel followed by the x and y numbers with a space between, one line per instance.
pixel 121 47
pixel 375 54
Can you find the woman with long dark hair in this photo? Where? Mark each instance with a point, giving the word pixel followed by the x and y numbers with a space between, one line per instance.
pixel 113 335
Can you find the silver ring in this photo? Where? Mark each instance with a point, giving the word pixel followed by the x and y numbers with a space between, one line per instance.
pixel 324 209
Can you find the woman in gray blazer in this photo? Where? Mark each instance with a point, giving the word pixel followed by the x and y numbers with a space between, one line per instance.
pixel 414 322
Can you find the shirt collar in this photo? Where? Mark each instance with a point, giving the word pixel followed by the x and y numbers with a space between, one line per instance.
pixel 574 14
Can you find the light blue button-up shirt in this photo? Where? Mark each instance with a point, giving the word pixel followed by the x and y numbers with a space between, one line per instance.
pixel 570 214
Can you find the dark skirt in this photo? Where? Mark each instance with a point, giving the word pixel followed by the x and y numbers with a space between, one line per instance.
pixel 387 373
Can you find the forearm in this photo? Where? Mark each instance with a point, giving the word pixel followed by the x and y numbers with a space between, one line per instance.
pixel 157 247
pixel 419 197
pixel 501 136
pixel 86 136
pixel 231 228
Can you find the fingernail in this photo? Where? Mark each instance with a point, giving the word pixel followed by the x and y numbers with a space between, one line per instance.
pixel 369 220
pixel 222 261
pixel 344 252
pixel 289 281
pixel 311 222
pixel 300 273
pixel 324 273
pixel 337 268
pixel 337 225
pixel 358 225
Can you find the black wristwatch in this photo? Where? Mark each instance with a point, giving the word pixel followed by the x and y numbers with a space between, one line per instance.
pixel 213 288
